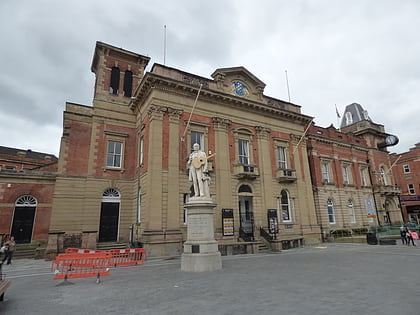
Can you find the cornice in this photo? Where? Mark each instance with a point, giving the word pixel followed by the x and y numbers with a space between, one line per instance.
pixel 153 81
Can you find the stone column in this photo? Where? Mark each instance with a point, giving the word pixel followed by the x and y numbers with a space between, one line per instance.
pixel 201 249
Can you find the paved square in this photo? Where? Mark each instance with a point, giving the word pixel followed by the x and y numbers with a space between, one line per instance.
pixel 325 279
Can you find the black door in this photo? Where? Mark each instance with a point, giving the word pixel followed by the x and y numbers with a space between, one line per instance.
pixel 108 226
pixel 246 217
pixel 23 222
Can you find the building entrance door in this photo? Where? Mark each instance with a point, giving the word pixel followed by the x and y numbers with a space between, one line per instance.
pixel 23 222
pixel 246 216
pixel 108 226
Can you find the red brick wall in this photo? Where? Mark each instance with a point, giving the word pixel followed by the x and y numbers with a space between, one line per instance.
pixel 42 192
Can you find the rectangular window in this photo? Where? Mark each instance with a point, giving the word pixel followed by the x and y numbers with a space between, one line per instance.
pixel 325 172
pixel 282 157
pixel 351 211
pixel 141 151
pixel 243 152
pixel 363 176
pixel 330 208
pixel 114 154
pixel 197 137
pixel 346 176
pixel 411 189
pixel 406 168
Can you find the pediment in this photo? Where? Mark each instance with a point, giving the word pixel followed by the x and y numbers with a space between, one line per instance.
pixel 239 81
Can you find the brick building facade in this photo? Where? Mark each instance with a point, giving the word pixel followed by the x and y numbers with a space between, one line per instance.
pixel 27 181
pixel 406 170
pixel 121 174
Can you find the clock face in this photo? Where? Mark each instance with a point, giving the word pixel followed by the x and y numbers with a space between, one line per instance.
pixel 240 88
pixel 391 140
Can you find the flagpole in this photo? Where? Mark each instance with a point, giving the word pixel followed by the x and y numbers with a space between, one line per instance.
pixel 338 118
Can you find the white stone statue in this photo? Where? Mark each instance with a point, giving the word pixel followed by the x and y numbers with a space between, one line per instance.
pixel 198 172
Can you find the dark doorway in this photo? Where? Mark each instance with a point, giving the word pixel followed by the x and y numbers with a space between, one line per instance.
pixel 246 217
pixel 108 226
pixel 23 222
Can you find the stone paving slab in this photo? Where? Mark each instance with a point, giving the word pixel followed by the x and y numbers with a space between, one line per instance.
pixel 325 279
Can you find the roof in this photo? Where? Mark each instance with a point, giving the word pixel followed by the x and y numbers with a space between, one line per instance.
pixel 27 154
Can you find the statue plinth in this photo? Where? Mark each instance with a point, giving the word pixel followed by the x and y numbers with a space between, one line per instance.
pixel 201 251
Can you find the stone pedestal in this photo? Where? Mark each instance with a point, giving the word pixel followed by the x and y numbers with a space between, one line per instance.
pixel 55 244
pixel 89 239
pixel 200 250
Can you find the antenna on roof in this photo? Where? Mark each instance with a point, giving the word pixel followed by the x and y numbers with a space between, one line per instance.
pixel 287 83
pixel 164 45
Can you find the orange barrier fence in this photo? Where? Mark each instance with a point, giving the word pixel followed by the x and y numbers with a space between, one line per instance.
pixel 84 265
pixel 127 257
pixel 82 251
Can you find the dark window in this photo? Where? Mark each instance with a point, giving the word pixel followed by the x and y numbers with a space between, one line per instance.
pixel 245 188
pixel 115 80
pixel 128 83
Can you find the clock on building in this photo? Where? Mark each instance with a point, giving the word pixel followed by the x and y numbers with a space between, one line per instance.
pixel 239 88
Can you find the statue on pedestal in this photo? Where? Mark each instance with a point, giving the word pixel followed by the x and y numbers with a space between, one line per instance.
pixel 198 172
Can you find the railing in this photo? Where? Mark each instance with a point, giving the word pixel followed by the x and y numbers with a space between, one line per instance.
pixel 246 236
pixel 246 171
pixel 266 235
pixel 285 175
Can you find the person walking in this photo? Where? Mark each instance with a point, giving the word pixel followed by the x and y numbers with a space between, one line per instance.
pixel 10 246
pixel 410 237
pixel 403 234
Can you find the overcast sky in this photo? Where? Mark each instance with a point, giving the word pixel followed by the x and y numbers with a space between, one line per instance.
pixel 334 52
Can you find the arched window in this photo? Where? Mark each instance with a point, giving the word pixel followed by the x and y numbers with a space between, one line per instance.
pixel 330 209
pixel 26 201
pixel 352 215
pixel 128 83
pixel 349 118
pixel 115 80
pixel 285 206
pixel 245 189
pixel 111 193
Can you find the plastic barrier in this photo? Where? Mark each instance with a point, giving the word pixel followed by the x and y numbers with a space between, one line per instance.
pixel 128 257
pixel 82 251
pixel 84 265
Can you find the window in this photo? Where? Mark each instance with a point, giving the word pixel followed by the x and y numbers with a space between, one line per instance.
pixel 411 189
pixel 330 208
pixel 383 176
pixel 285 206
pixel 141 151
pixel 349 118
pixel 282 157
pixel 243 152
pixel 406 168
pixel 352 215
pixel 325 172
pixel 128 83
pixel 114 154
pixel 115 80
pixel 197 137
pixel 346 176
pixel 363 176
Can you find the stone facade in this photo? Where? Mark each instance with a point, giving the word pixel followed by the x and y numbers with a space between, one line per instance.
pixel 122 175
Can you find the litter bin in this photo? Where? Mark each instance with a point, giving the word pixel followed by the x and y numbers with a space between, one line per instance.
pixel 371 239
